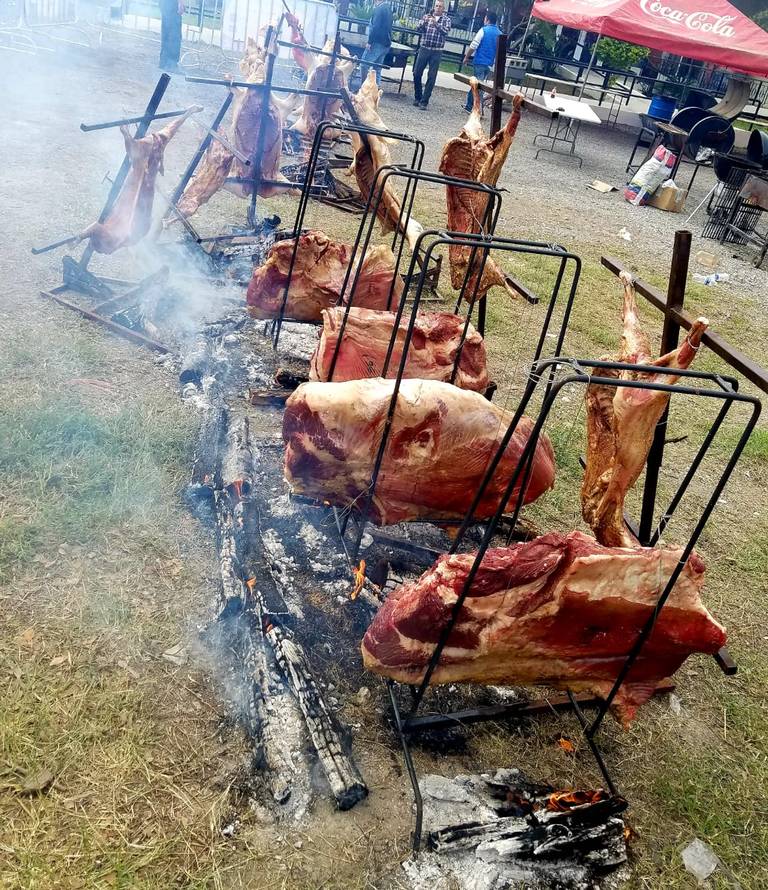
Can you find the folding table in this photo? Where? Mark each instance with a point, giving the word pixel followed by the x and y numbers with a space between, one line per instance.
pixel 565 123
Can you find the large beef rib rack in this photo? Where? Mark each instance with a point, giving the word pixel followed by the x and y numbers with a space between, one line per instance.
pixel 621 423
pixel 432 353
pixel 471 155
pixel 441 442
pixel 318 277
pixel 560 610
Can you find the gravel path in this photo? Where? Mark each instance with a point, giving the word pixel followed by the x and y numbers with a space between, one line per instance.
pixel 549 200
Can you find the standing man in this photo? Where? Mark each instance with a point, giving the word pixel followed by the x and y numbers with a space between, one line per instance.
pixel 170 33
pixel 434 29
pixel 379 38
pixel 483 47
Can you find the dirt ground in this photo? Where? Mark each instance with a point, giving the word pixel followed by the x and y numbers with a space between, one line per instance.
pixel 118 766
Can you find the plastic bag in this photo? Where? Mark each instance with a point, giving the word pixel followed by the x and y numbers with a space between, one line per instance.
pixel 650 176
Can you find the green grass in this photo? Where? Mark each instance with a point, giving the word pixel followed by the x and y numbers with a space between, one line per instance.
pixel 76 473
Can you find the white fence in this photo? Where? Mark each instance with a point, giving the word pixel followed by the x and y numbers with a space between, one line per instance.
pixel 241 19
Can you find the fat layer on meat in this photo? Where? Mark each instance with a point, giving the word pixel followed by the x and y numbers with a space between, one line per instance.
pixel 441 441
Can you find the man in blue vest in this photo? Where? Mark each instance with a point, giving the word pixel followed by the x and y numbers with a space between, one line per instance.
pixel 483 48
pixel 379 39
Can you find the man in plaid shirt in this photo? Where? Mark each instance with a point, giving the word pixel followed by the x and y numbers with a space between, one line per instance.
pixel 434 29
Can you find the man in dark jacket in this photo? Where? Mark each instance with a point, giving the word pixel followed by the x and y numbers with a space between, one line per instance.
pixel 170 33
pixel 379 39
pixel 434 27
pixel 482 51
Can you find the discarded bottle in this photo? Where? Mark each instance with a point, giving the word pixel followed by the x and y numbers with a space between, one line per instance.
pixel 710 279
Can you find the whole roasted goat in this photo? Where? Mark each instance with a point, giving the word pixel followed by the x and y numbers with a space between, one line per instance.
pixel 323 74
pixel 621 423
pixel 318 277
pixel 432 353
pixel 472 156
pixel 371 154
pixel 561 610
pixel 130 217
pixel 441 442
pixel 219 164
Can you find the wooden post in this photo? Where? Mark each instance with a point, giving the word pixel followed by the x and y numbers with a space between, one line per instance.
pixel 499 73
pixel 670 336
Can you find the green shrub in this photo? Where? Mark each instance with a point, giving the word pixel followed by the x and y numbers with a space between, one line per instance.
pixel 620 55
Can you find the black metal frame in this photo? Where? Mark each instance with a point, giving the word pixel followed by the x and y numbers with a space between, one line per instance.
pixel 413 179
pixel 417 158
pixel 485 245
pixel 582 372
pixel 253 224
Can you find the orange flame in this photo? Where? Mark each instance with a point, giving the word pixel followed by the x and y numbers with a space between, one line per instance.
pixel 358 573
pixel 561 801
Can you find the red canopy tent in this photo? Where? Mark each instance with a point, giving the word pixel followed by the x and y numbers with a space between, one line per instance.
pixel 709 30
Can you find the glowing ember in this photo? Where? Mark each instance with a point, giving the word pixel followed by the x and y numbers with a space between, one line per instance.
pixel 561 801
pixel 358 573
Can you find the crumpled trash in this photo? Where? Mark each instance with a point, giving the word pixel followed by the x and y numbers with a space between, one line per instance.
pixel 700 860
pixel 625 234
pixel 176 655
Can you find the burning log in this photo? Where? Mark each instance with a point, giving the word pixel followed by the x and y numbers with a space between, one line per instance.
pixel 347 785
pixel 206 466
pixel 237 461
pixel 232 583
pixel 267 745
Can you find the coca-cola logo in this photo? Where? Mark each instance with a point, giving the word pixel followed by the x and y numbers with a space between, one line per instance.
pixel 706 22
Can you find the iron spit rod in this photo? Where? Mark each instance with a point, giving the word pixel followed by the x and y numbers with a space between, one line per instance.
pixel 242 84
pixel 89 128
pixel 73 239
pixel 214 134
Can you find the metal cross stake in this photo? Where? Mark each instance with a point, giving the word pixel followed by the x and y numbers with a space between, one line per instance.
pixel 675 320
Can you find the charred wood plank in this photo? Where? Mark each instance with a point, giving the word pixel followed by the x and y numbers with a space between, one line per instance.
pixel 346 783
pixel 269 398
pixel 118 329
pixel 237 460
pixel 537 837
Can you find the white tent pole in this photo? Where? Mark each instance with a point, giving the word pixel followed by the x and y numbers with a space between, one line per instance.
pixel 474 16
pixel 525 33
pixel 589 67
